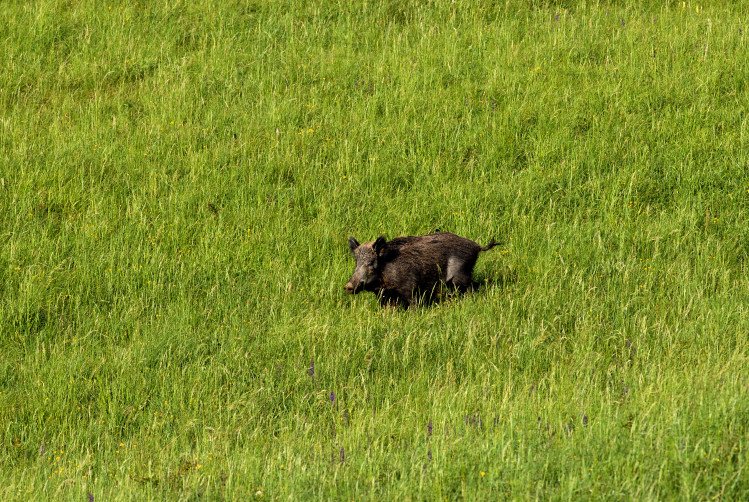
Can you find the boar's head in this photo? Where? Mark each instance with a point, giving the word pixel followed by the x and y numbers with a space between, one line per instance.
pixel 367 274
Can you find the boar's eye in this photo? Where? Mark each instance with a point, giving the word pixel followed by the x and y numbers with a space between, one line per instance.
pixel 366 258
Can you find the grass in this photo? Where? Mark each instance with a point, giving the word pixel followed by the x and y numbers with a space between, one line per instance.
pixel 177 184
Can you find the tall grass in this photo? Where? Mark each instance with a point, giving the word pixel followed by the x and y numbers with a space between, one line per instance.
pixel 177 184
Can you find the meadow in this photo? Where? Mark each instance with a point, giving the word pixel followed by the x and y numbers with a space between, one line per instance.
pixel 178 181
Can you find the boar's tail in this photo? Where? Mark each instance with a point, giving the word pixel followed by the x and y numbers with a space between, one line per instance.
pixel 490 245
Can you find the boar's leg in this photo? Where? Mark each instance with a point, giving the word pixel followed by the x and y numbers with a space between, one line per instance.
pixel 459 273
pixel 389 299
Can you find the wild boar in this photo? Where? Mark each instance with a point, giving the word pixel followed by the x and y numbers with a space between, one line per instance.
pixel 405 269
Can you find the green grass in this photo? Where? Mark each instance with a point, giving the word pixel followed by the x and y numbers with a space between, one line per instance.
pixel 177 184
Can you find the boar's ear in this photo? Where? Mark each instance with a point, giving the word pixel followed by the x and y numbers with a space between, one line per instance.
pixel 352 244
pixel 379 244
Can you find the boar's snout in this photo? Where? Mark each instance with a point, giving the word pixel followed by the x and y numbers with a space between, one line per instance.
pixel 350 288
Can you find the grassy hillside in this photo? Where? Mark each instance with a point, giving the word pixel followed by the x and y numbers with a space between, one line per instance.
pixel 177 184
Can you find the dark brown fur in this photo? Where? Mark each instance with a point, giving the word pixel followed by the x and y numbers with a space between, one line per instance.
pixel 405 269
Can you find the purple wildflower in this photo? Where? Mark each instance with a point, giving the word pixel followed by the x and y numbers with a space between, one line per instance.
pixel 345 416
pixel 623 23
pixel 429 455
pixel 332 397
pixel 585 420
pixel 556 18
pixel 90 497
pixel 477 422
pixel 311 372
pixel 429 428
pixel 533 387
pixel 625 395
